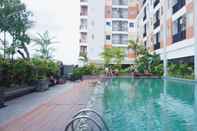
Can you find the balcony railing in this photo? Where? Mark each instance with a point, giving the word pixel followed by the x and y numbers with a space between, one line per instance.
pixel 157 46
pixel 156 2
pixel 124 29
pixel 179 36
pixel 83 41
pixel 178 5
pixel 156 24
pixel 83 13
pixel 83 27
pixel 84 1
pixel 122 42
pixel 119 2
pixel 119 14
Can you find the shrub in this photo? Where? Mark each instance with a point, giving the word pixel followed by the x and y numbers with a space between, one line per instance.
pixel 183 70
pixel 90 69
pixel 45 68
pixel 23 71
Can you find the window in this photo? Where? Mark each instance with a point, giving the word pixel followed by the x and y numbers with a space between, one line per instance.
pixel 179 29
pixel 131 25
pixel 108 37
pixel 108 23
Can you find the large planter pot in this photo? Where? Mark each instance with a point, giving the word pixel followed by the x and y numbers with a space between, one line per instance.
pixel 2 96
pixel 41 85
pixel 18 92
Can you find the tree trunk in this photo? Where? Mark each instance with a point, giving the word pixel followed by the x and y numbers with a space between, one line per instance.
pixel 26 51
pixel 21 53
pixel 4 45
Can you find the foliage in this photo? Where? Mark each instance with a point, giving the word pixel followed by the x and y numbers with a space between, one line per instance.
pixel 14 22
pixel 83 57
pixel 23 71
pixel 90 69
pixel 181 70
pixel 146 61
pixel 107 55
pixel 118 54
pixel 45 42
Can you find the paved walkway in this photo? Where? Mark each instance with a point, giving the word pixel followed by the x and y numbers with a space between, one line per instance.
pixel 49 113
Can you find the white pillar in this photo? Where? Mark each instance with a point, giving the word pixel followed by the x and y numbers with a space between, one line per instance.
pixel 195 38
pixel 165 59
pixel 195 108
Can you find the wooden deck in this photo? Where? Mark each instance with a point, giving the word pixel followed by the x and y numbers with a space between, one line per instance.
pixel 54 114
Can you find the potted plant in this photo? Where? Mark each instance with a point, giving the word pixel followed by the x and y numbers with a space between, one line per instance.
pixel 40 79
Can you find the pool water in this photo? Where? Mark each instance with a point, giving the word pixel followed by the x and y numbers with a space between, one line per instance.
pixel 149 105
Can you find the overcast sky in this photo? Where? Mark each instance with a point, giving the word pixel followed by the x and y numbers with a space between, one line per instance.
pixel 61 19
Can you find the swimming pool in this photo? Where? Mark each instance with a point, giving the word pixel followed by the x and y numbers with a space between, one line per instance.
pixel 149 105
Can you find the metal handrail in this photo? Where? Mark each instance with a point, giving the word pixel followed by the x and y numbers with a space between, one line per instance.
pixel 82 117
pixel 96 113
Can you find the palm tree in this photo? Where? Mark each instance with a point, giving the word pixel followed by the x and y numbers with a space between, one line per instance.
pixel 107 55
pixel 45 42
pixel 118 55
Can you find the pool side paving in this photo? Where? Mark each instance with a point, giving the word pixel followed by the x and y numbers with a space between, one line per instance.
pixel 46 111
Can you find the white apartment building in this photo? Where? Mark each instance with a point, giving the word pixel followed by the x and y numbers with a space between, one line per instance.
pixel 110 24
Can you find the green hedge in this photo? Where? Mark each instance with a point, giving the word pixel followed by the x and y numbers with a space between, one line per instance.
pixel 23 71
pixel 185 71
pixel 90 69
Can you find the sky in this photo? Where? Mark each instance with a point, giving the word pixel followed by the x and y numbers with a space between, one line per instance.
pixel 61 19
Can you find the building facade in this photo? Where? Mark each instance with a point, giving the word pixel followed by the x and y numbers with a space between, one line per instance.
pixel 83 42
pixel 112 23
pixel 179 31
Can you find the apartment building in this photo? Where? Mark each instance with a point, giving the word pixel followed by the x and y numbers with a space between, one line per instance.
pixel 83 43
pixel 180 28
pixel 112 23
pixel 109 24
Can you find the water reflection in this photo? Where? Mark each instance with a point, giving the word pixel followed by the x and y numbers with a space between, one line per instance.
pixel 150 105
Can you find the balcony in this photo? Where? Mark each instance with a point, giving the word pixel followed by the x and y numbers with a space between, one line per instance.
pixel 120 39
pixel 119 2
pixel 156 2
pixel 144 1
pixel 84 14
pixel 157 46
pixel 83 41
pixel 83 1
pixel 156 24
pixel 179 36
pixel 120 13
pixel 83 27
pixel 121 29
pixel 144 34
pixel 178 5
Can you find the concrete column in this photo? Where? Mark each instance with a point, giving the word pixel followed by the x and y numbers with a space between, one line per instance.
pixel 195 38
pixel 195 107
pixel 165 59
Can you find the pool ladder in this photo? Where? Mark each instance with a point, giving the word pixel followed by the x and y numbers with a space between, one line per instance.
pixel 87 120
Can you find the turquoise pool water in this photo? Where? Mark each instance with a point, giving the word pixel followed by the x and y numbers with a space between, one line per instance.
pixel 149 105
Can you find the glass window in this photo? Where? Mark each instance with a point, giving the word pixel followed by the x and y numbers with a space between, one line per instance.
pixel 108 23
pixel 108 37
pixel 131 25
